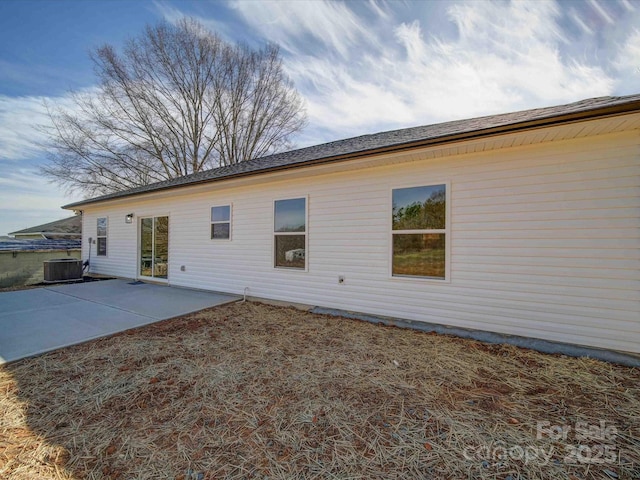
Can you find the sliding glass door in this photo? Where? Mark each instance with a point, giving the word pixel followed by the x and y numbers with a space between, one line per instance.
pixel 154 247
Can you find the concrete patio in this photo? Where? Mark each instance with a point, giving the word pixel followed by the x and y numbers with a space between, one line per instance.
pixel 44 319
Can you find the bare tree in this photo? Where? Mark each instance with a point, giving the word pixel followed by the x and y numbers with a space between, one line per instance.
pixel 177 100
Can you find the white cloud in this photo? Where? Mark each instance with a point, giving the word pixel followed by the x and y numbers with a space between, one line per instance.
pixel 18 117
pixel 506 57
pixel 365 67
pixel 627 62
pixel 601 10
pixel 375 7
pixel 22 120
pixel 27 199
pixel 172 15
pixel 629 55
pixel 292 23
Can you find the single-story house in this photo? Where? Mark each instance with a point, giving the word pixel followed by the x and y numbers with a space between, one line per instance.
pixel 524 223
pixel 69 228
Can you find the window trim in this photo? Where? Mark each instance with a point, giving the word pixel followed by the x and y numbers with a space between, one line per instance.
pixel 306 233
pixel 446 231
pixel 230 222
pixel 105 236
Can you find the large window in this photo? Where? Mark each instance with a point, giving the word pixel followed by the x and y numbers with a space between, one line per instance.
pixel 419 231
pixel 290 233
pixel 221 222
pixel 101 237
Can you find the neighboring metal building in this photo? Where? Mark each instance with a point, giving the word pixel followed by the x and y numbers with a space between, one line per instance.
pixel 523 224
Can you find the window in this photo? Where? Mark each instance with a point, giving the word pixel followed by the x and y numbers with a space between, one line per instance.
pixel 221 222
pixel 419 231
pixel 102 237
pixel 290 233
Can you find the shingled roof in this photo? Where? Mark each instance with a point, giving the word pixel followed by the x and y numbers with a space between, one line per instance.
pixel 351 148
pixel 70 226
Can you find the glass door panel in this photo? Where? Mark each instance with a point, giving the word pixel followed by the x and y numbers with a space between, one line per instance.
pixel 154 247
pixel 160 247
pixel 146 247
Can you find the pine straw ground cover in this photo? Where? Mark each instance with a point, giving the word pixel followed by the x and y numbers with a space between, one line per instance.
pixel 255 391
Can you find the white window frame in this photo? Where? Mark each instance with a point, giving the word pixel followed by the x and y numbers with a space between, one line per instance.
pixel 230 222
pixel 105 236
pixel 305 233
pixel 446 231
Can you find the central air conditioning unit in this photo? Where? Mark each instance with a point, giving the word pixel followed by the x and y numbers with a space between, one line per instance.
pixel 62 270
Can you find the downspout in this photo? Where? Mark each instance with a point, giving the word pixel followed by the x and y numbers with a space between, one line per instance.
pixel 87 262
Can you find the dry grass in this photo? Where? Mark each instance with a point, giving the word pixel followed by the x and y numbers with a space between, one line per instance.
pixel 19 287
pixel 255 391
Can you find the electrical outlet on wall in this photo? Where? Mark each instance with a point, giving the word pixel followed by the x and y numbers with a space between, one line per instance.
pixel 340 278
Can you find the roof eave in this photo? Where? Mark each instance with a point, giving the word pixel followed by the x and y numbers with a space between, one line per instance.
pixel 600 112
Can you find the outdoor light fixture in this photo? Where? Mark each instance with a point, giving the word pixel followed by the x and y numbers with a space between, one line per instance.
pixel 128 218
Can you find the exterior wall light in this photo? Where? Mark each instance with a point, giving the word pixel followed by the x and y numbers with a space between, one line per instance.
pixel 128 218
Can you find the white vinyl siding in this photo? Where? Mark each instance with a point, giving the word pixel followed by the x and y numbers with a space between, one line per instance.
pixel 544 240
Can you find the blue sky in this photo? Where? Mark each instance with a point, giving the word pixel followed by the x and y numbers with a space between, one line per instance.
pixel 361 66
